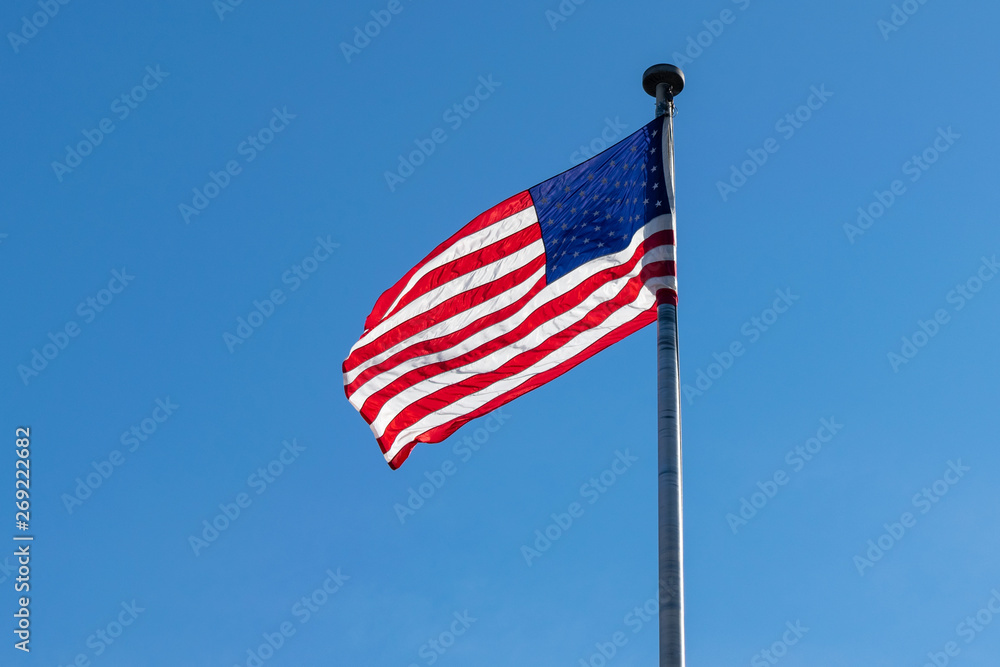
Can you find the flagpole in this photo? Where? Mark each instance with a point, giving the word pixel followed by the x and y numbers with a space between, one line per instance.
pixel 664 82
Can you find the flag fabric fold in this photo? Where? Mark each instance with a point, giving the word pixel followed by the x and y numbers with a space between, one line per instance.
pixel 520 295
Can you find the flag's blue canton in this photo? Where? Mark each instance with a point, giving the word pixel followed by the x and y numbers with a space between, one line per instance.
pixel 595 208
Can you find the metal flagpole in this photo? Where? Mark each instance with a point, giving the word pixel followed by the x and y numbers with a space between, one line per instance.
pixel 664 82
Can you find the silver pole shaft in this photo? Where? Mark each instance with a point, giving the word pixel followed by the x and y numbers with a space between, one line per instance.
pixel 670 487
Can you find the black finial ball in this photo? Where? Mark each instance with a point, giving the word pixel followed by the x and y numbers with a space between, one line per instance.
pixel 668 74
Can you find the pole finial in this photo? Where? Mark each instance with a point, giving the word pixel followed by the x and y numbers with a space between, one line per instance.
pixel 663 82
pixel 668 74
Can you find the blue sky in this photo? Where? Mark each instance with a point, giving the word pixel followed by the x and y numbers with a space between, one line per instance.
pixel 287 136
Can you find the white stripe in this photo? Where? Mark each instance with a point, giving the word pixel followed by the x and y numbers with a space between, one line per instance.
pixel 656 284
pixel 666 152
pixel 504 266
pixel 502 328
pixel 454 323
pixel 500 229
pixel 556 289
pixel 488 273
pixel 481 276
pixel 643 302
pixel 579 274
pixel 546 330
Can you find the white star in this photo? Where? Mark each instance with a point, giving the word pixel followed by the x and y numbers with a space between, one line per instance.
pixel 656 185
pixel 654 168
pixel 600 245
pixel 586 240
pixel 597 228
pixel 645 201
pixel 576 254
pixel 659 204
pixel 565 226
pixel 654 132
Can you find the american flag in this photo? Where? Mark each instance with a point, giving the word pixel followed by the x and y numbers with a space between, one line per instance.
pixel 523 293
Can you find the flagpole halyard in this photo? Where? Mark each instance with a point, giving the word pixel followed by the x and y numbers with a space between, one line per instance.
pixel 664 82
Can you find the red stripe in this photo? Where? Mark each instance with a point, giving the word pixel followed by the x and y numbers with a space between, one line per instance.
pixel 432 345
pixel 448 308
pixel 467 264
pixel 402 454
pixel 504 209
pixel 657 270
pixel 441 432
pixel 445 396
pixel 446 342
pixel 545 312
pixel 366 352
pixel 665 295
pixel 665 237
